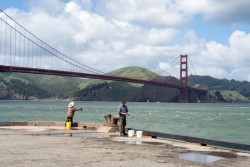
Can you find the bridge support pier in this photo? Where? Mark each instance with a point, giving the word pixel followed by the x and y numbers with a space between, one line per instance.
pixel 184 78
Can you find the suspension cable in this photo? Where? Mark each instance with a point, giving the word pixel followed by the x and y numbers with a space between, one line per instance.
pixel 169 66
pixel 96 71
pixel 47 50
pixel 192 66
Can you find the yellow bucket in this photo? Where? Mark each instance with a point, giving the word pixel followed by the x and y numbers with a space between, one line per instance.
pixel 68 125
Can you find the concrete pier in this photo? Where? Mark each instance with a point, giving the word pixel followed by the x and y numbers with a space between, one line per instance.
pixel 75 125
pixel 41 143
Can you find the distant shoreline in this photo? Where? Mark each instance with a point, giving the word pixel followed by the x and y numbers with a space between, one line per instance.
pixel 68 100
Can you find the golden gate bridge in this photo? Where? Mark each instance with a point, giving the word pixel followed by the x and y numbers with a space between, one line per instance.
pixel 23 52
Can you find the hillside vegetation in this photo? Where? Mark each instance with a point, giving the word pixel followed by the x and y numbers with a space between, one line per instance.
pixel 112 90
pixel 233 96
pixel 131 72
pixel 242 87
pixel 31 86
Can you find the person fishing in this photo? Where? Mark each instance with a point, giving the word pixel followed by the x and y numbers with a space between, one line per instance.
pixel 71 112
pixel 123 112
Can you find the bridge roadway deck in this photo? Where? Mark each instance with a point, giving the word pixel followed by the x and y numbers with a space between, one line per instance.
pixel 93 76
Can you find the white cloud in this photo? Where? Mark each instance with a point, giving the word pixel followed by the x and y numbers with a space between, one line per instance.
pixel 162 36
pixel 145 12
pixel 240 41
pixel 175 12
pixel 228 11
pixel 223 61
pixel 223 11
pixel 191 7
pixel 47 6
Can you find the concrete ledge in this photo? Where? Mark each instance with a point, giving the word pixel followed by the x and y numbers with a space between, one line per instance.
pixel 44 124
pixel 89 125
pixel 19 123
pixel 75 125
pixel 59 124
pixel 202 141
pixel 107 129
pixel 5 123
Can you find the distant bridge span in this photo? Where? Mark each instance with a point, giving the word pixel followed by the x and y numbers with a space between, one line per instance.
pixel 4 68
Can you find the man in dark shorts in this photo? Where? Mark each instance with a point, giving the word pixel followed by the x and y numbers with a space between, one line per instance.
pixel 123 112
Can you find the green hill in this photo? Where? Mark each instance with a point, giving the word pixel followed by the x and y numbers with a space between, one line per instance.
pixel 31 86
pixel 156 93
pixel 242 87
pixel 57 86
pixel 134 72
pixel 131 72
pixel 112 90
pixel 13 88
pixel 233 96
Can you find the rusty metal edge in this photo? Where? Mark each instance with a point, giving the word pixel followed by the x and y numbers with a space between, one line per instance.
pixel 202 141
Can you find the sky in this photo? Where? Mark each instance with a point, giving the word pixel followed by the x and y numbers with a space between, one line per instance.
pixel 110 34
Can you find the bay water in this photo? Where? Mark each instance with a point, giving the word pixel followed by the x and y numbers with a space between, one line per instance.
pixel 219 121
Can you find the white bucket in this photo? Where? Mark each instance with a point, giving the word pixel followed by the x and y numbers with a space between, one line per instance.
pixel 131 133
pixel 139 134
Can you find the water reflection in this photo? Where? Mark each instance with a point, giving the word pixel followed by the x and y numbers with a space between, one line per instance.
pixel 200 158
pixel 69 134
pixel 143 143
pixel 134 142
pixel 85 134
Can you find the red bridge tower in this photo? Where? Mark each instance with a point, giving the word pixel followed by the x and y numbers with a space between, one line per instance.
pixel 184 78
